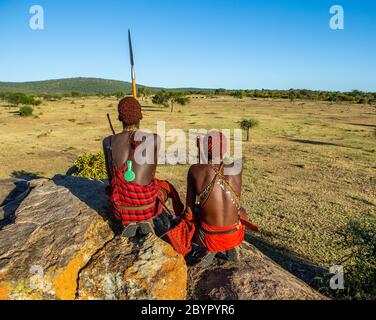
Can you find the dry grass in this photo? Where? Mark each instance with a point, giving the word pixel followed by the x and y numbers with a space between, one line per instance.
pixel 309 168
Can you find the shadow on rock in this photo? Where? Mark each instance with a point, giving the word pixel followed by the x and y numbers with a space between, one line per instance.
pixel 254 277
pixel 26 175
pixel 90 192
pixel 298 266
pixel 12 192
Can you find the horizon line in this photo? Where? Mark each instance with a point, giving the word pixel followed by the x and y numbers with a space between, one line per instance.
pixel 182 88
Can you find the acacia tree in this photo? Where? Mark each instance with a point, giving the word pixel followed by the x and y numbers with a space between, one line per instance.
pixel 178 98
pixel 161 98
pixel 143 92
pixel 170 98
pixel 247 125
pixel 292 96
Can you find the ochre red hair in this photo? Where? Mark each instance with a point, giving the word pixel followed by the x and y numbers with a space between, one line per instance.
pixel 129 111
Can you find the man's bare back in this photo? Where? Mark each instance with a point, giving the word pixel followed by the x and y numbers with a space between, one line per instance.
pixel 118 149
pixel 219 210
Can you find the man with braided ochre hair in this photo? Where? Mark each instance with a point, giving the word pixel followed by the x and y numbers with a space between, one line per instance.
pixel 213 221
pixel 137 197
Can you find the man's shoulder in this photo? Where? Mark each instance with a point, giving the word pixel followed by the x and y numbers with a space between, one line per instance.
pixel 146 133
pixel 150 137
pixel 197 169
pixel 106 141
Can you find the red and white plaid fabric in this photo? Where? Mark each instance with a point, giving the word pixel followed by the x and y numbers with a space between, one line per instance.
pixel 130 194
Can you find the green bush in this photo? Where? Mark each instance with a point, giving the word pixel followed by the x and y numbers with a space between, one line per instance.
pixel 91 166
pixel 15 99
pixel 360 275
pixel 75 94
pixel 360 265
pixel 237 94
pixel 26 111
pixel 119 95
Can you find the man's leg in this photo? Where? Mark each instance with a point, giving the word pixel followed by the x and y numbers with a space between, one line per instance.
pixel 232 254
pixel 200 256
pixel 162 224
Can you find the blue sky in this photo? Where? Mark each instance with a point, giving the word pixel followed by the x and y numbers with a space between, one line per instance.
pixel 194 43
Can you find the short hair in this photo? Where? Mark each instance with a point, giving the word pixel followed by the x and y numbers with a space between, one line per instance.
pixel 215 143
pixel 129 111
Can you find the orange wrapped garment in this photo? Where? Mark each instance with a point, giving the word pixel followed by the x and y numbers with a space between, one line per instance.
pixel 214 238
pixel 217 239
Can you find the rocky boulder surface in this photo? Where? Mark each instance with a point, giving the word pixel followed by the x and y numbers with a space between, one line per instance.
pixel 61 245
pixel 57 241
pixel 255 277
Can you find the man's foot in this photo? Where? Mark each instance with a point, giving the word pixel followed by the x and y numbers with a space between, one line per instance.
pixel 232 255
pixel 130 230
pixel 146 228
pixel 206 260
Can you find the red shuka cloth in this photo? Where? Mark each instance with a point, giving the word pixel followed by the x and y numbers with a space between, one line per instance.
pixel 130 194
pixel 170 192
pixel 181 235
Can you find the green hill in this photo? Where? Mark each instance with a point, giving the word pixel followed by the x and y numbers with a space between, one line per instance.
pixel 82 85
pixel 89 86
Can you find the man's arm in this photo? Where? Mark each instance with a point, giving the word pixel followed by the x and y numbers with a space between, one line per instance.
pixel 191 193
pixel 107 157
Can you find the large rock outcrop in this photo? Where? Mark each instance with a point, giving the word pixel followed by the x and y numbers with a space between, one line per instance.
pixel 57 242
pixel 60 245
pixel 255 277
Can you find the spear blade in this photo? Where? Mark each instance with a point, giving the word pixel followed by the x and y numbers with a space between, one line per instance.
pixel 130 47
pixel 133 75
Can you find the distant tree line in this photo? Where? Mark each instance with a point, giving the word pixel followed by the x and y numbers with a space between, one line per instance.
pixel 172 96
pixel 354 96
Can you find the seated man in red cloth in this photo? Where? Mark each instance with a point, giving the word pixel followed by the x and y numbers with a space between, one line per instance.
pixel 137 197
pixel 214 220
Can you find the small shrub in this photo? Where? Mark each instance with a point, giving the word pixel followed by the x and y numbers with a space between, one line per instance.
pixel 75 94
pixel 238 94
pixel 26 111
pixel 360 265
pixel 361 273
pixel 91 166
pixel 247 125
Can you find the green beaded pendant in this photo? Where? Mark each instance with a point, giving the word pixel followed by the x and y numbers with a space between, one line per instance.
pixel 129 175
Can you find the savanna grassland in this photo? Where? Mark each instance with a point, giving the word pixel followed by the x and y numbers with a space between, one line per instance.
pixel 310 166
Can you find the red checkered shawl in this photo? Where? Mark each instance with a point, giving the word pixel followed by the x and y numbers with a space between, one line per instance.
pixel 127 195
